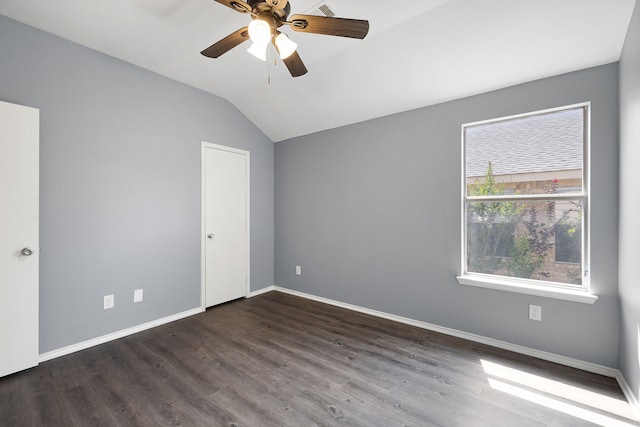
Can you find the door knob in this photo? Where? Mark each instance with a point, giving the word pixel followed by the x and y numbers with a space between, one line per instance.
pixel 27 251
pixel 210 235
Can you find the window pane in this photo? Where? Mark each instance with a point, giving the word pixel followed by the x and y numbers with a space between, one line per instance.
pixel 495 239
pixel 538 240
pixel 568 242
pixel 538 154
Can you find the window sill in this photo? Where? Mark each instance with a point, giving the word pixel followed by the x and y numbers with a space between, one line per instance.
pixel 529 289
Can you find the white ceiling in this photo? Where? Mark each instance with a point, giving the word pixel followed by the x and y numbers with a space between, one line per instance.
pixel 417 53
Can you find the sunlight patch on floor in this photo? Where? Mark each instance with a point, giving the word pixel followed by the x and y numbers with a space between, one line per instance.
pixel 575 401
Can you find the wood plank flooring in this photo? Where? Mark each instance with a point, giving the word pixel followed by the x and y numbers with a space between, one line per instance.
pixel 280 360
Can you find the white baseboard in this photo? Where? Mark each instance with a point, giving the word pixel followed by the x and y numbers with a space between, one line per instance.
pixel 567 361
pixel 629 394
pixel 260 291
pixel 115 335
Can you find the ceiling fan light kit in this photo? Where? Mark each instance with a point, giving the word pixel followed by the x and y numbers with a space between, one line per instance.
pixel 269 15
pixel 259 31
pixel 285 45
pixel 258 50
pixel 260 35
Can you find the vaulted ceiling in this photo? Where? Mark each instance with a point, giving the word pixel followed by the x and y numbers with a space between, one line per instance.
pixel 417 52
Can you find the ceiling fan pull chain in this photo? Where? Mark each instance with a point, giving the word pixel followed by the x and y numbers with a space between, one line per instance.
pixel 275 63
pixel 269 69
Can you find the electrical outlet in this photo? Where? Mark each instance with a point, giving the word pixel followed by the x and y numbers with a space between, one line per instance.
pixel 535 312
pixel 137 295
pixel 298 270
pixel 108 302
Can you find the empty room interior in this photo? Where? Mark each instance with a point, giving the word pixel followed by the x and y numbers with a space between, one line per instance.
pixel 426 214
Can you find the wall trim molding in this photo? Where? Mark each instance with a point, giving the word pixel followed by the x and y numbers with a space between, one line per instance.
pixel 551 357
pixel 260 291
pixel 628 393
pixel 43 357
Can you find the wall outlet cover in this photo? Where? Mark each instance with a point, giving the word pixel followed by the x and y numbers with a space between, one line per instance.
pixel 108 302
pixel 535 312
pixel 298 270
pixel 137 295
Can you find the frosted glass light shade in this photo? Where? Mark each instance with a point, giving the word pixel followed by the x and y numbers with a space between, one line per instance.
pixel 285 46
pixel 258 50
pixel 259 31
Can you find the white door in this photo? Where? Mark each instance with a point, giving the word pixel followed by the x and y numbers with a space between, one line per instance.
pixel 226 223
pixel 19 246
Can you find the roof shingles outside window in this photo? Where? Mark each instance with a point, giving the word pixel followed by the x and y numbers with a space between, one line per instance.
pixel 539 143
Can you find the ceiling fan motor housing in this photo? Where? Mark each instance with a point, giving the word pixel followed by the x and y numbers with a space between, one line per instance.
pixel 273 15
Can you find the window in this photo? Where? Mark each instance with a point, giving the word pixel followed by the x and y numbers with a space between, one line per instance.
pixel 525 200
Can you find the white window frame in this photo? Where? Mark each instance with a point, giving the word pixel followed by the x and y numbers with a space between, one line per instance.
pixel 578 293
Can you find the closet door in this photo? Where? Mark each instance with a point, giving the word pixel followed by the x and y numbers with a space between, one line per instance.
pixel 226 223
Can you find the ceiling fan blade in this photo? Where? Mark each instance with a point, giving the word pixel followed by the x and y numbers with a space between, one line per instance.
pixel 343 27
pixel 237 5
pixel 295 65
pixel 227 43
pixel 278 4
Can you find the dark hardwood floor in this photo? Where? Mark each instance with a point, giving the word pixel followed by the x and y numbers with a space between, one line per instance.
pixel 280 360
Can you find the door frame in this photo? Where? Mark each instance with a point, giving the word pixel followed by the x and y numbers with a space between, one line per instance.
pixel 203 216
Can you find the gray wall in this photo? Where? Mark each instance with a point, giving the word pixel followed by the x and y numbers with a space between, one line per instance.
pixel 371 212
pixel 629 280
pixel 120 184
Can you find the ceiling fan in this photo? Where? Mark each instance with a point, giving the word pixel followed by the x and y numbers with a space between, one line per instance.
pixel 269 15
